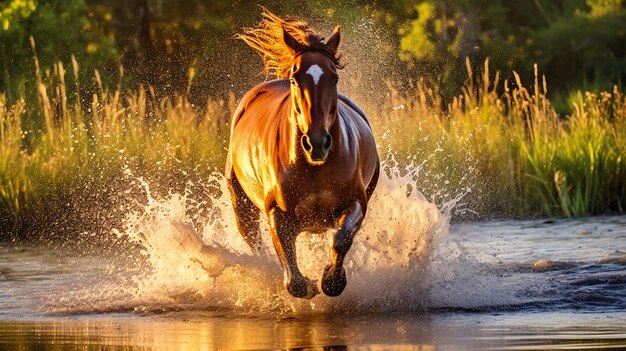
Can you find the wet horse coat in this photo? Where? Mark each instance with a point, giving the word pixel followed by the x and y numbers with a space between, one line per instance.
pixel 306 157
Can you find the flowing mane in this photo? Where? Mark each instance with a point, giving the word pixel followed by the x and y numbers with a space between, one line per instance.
pixel 267 39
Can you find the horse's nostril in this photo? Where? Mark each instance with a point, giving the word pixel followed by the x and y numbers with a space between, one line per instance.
pixel 306 143
pixel 327 141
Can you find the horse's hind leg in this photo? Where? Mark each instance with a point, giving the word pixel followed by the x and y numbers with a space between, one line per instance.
pixel 334 279
pixel 372 185
pixel 246 213
pixel 284 232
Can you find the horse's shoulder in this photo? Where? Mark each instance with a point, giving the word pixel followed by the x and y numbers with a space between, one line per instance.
pixel 343 98
pixel 276 86
pixel 256 105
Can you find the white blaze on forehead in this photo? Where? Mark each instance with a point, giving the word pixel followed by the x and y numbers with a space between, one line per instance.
pixel 316 72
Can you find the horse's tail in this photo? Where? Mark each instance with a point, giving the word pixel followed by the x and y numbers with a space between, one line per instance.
pixel 267 39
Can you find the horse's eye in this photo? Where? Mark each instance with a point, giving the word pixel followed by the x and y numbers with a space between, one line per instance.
pixel 293 81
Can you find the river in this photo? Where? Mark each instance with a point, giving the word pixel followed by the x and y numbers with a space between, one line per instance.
pixel 415 282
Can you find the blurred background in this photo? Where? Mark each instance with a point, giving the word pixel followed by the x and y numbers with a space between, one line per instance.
pixel 496 108
pixel 577 44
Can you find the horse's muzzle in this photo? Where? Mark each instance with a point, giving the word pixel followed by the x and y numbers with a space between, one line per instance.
pixel 316 146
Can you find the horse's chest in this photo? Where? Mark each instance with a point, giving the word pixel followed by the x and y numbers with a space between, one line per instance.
pixel 315 202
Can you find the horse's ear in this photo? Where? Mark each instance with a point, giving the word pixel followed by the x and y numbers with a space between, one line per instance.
pixel 291 42
pixel 333 41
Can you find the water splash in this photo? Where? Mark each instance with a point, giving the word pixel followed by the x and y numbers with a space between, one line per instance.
pixel 184 254
pixel 185 266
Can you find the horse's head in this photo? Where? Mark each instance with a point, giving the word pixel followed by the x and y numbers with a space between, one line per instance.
pixel 313 78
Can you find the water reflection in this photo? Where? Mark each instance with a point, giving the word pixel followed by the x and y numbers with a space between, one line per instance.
pixel 215 333
pixel 184 332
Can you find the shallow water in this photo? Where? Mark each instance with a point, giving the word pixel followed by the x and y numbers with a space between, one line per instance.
pixel 173 279
pixel 365 332
pixel 532 284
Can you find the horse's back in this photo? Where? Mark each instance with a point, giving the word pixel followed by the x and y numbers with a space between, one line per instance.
pixel 359 138
pixel 348 102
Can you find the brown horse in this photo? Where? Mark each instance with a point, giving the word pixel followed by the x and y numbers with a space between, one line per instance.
pixel 300 152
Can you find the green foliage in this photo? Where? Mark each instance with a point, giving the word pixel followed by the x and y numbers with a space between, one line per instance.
pixel 169 44
pixel 416 41
pixel 60 29
pixel 579 44
pixel 14 9
pixel 584 49
pixel 444 33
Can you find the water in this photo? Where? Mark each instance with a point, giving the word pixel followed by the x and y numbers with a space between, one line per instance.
pixel 172 279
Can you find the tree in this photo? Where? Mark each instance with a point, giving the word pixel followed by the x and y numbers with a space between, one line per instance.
pixel 583 47
pixel 578 44
pixel 441 34
pixel 60 28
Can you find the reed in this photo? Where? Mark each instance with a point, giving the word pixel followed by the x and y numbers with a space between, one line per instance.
pixel 505 147
pixel 61 148
pixel 498 149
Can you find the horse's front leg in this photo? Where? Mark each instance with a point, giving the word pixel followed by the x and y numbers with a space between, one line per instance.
pixel 334 279
pixel 284 233
pixel 246 214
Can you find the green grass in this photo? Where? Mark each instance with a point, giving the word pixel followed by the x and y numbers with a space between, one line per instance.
pixel 502 144
pixel 509 146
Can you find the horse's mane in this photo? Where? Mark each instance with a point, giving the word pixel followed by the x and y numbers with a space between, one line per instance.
pixel 267 39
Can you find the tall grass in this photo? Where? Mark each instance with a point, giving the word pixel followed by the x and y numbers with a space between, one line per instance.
pixel 501 144
pixel 508 146
pixel 64 148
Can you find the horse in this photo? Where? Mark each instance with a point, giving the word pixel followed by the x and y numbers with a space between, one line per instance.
pixel 300 152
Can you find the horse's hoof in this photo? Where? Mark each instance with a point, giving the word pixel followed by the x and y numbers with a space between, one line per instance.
pixel 303 288
pixel 334 280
